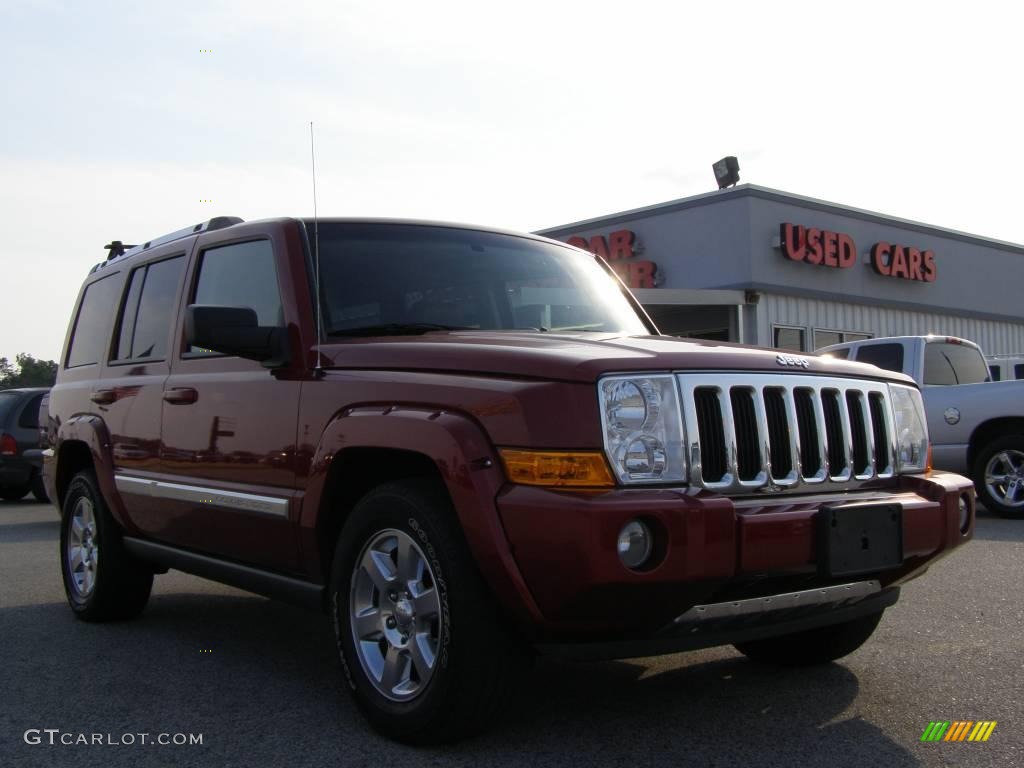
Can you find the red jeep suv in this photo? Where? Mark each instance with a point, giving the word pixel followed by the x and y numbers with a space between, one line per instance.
pixel 469 446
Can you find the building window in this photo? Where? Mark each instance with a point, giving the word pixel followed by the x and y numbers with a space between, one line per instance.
pixel 787 337
pixel 826 338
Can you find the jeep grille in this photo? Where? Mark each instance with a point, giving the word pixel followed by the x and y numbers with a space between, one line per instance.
pixel 748 433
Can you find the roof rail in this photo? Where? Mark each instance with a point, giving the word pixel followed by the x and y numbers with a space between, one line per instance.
pixel 118 249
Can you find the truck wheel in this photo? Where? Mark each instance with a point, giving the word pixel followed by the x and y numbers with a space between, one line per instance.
pixel 114 586
pixel 38 488
pixel 419 637
pixel 13 492
pixel 999 476
pixel 812 646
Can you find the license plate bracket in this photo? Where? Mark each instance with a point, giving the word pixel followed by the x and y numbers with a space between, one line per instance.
pixel 859 539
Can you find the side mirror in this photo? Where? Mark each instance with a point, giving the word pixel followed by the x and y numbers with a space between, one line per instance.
pixel 236 331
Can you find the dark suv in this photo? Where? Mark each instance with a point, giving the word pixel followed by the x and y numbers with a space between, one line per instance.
pixel 20 457
pixel 469 446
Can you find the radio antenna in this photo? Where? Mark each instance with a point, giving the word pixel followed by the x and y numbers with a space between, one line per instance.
pixel 318 370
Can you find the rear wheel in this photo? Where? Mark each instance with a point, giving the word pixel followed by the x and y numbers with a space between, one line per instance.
pixel 813 646
pixel 13 492
pixel 418 634
pixel 38 488
pixel 102 581
pixel 999 476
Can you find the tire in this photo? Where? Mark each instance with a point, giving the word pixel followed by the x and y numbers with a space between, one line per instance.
pixel 108 588
pixel 13 492
pixel 813 646
pixel 408 529
pixel 1002 463
pixel 38 488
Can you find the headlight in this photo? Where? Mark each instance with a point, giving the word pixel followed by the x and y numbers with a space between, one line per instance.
pixel 911 429
pixel 643 428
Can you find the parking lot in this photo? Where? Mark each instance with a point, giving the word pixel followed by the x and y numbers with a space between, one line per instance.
pixel 259 680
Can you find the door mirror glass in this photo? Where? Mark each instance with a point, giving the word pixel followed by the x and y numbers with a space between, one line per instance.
pixel 235 331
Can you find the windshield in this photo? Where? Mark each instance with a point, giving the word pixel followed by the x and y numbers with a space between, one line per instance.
pixel 383 279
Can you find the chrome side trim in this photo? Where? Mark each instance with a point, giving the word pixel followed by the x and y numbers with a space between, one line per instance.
pixel 837 594
pixel 195 494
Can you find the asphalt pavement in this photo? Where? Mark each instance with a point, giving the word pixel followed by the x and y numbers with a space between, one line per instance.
pixel 259 682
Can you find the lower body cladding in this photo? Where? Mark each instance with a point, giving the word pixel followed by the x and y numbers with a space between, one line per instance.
pixel 720 570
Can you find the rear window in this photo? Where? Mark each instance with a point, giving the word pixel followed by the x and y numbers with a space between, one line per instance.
pixel 8 401
pixel 89 336
pixel 29 418
pixel 946 364
pixel 887 356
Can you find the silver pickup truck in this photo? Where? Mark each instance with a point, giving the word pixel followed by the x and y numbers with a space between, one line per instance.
pixel 976 425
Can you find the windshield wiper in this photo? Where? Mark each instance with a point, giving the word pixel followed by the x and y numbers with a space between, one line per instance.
pixel 397 329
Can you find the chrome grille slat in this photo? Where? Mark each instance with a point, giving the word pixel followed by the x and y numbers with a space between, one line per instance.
pixel 761 415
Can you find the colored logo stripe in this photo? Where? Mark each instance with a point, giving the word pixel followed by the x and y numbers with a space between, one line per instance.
pixel 958 730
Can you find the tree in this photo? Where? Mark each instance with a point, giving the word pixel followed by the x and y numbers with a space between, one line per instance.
pixel 30 372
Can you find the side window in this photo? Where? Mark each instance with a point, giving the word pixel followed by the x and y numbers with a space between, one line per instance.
pixel 1018 371
pixel 888 356
pixel 149 310
pixel 995 373
pixel 241 275
pixel 89 336
pixel 29 417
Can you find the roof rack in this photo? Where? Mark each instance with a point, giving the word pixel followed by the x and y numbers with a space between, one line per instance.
pixel 118 249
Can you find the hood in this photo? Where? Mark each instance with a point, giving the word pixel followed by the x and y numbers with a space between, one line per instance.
pixel 578 357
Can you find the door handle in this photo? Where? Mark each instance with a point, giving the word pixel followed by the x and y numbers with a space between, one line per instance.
pixel 103 396
pixel 181 396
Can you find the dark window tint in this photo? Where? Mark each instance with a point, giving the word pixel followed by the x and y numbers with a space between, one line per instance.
pixel 156 309
pixel 1018 371
pixel 995 373
pixel 888 356
pixel 8 402
pixel 241 275
pixel 789 338
pixel 946 364
pixel 90 335
pixel 128 313
pixel 29 418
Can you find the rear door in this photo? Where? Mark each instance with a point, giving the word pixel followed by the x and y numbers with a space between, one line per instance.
pixel 228 425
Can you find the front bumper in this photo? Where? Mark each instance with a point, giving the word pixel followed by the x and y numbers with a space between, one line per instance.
pixel 713 550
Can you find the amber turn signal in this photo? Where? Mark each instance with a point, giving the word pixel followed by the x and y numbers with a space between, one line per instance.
pixel 561 469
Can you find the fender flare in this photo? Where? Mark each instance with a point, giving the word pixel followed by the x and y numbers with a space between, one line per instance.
pixel 469 467
pixel 90 429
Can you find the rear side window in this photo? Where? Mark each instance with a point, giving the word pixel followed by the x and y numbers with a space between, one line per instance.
pixel 888 356
pixel 29 418
pixel 995 373
pixel 241 275
pixel 946 364
pixel 8 401
pixel 89 337
pixel 149 310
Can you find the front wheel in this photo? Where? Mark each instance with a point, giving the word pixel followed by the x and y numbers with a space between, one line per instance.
pixel 999 476
pixel 102 581
pixel 418 634
pixel 813 646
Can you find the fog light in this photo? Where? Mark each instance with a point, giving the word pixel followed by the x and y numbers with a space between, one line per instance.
pixel 965 512
pixel 635 544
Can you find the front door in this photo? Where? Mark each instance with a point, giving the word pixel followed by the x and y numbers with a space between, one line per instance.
pixel 228 427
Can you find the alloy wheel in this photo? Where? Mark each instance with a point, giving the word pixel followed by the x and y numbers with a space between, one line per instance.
pixel 1004 477
pixel 83 547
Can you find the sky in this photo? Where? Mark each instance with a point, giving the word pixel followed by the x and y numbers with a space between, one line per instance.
pixel 120 120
